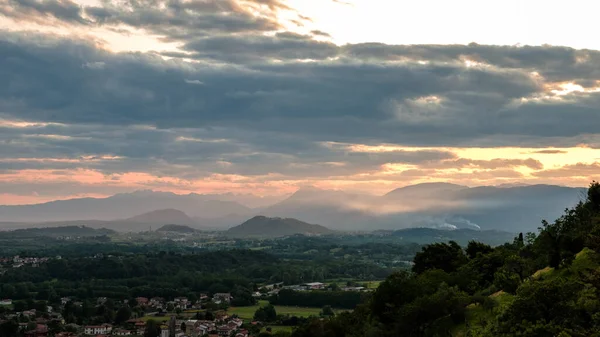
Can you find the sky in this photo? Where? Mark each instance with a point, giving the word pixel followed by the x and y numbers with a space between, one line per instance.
pixel 266 96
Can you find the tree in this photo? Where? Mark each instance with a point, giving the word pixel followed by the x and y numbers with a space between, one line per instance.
pixel 9 328
pixel 266 314
pixel 445 256
pixel 41 306
pixel 132 303
pixel 242 297
pixel 20 306
pixel 183 326
pixel 123 314
pixel 152 329
pixel 327 311
pixel 474 248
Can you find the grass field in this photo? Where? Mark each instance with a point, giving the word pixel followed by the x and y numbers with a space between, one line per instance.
pixel 247 313
pixel 277 328
pixel 156 318
pixel 372 284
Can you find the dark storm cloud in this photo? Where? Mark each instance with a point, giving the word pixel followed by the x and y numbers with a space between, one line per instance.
pixel 188 153
pixel 170 20
pixel 33 10
pixel 554 63
pixel 71 82
pixel 550 152
pixel 258 48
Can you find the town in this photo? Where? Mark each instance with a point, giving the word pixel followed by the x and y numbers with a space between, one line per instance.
pixel 206 315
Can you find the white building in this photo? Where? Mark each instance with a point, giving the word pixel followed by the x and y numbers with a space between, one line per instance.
pixel 97 329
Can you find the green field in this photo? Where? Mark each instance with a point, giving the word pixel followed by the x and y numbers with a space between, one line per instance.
pixel 372 284
pixel 247 313
pixel 156 318
pixel 278 328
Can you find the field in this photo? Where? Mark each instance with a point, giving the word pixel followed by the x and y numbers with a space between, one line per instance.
pixel 372 284
pixel 247 313
pixel 277 328
pixel 156 318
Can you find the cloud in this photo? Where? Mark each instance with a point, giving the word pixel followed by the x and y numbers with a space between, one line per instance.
pixel 258 48
pixel 196 82
pixel 241 102
pixel 320 33
pixel 34 10
pixel 549 152
pixel 583 170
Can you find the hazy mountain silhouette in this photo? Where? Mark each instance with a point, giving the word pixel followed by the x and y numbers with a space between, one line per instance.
pixel 121 206
pixel 434 205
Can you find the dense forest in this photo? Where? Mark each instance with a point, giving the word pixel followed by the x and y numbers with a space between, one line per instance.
pixel 543 284
pixel 169 274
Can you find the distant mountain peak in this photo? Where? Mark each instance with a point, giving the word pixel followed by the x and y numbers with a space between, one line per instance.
pixel 427 188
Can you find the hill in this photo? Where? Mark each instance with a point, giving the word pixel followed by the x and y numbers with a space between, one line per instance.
pixel 76 231
pixel 262 226
pixel 163 217
pixel 540 284
pixel 176 228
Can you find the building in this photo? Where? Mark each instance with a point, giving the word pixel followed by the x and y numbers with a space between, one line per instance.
pixel 224 331
pixel 314 285
pixel 142 301
pixel 41 330
pixel 6 302
pixel 65 334
pixel 103 329
pixel 222 297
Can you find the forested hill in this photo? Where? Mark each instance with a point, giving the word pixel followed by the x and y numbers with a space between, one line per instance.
pixel 64 231
pixel 545 284
pixel 273 227
pixel 176 228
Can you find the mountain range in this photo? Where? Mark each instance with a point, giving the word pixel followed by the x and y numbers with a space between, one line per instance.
pixel 512 208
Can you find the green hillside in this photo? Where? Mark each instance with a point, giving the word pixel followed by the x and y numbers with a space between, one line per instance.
pixel 543 284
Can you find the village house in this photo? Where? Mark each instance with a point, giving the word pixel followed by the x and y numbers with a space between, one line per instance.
pixel 142 301
pixel 65 334
pixel 222 297
pixel 313 285
pixel 122 332
pixel 29 313
pixel 140 327
pixel 224 331
pixel 157 302
pixel 41 330
pixel 103 329
pixel 6 301
pixel 354 289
